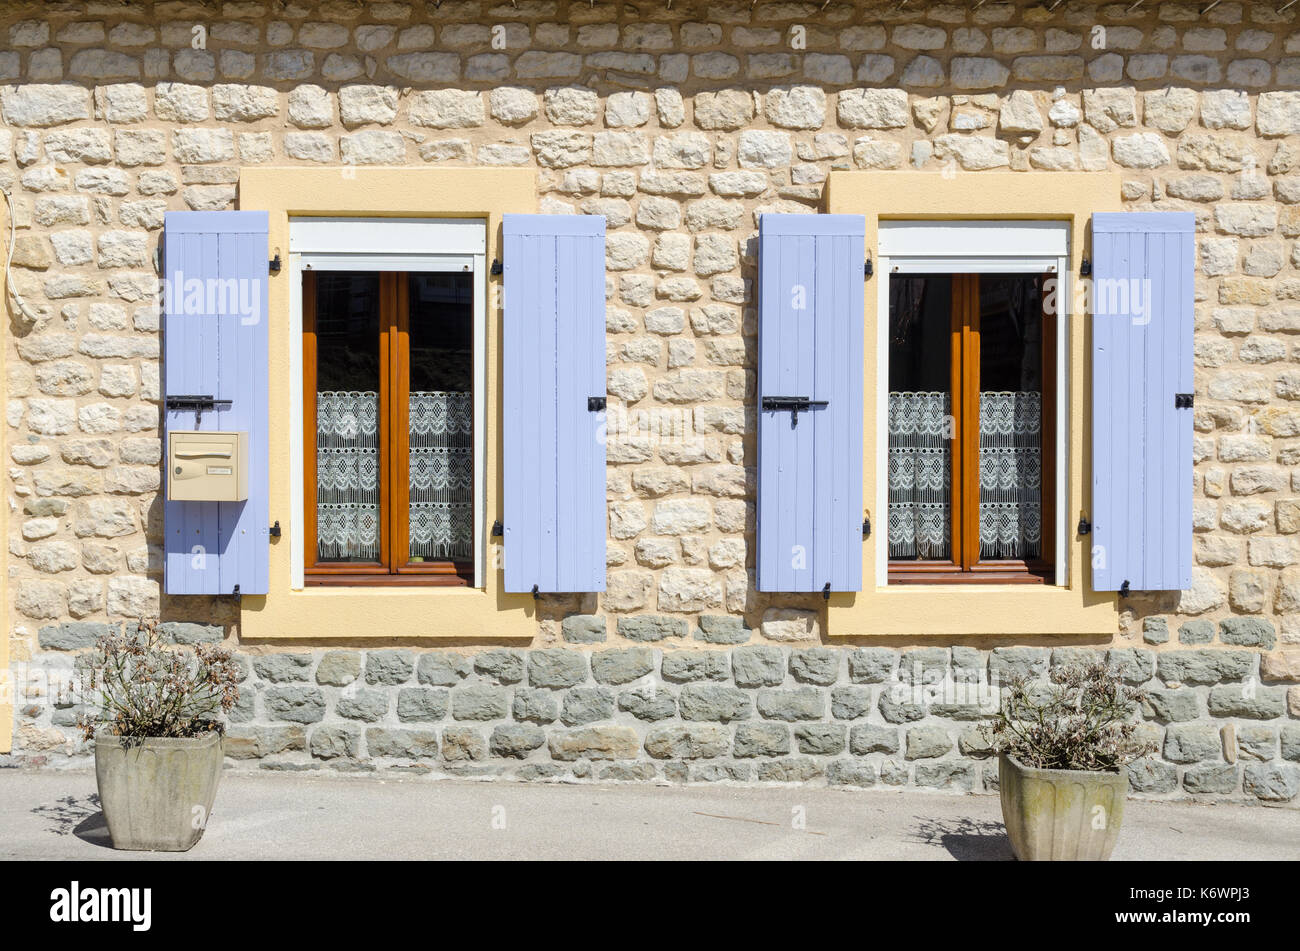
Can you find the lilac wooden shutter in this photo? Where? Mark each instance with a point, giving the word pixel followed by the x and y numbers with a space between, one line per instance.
pixel 214 344
pixel 810 346
pixel 554 364
pixel 1141 325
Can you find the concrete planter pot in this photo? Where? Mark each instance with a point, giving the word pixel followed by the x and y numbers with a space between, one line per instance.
pixel 157 793
pixel 1061 814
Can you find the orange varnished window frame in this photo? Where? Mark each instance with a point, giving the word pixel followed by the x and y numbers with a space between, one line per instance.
pixel 966 567
pixel 395 566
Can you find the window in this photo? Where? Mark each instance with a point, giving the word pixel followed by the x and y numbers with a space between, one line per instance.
pixel 388 405
pixel 971 368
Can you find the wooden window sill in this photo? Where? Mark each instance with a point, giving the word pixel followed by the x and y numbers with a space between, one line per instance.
pixel 1010 572
pixel 430 574
pixel 423 579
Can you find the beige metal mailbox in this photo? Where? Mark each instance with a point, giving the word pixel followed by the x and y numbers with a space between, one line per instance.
pixel 207 467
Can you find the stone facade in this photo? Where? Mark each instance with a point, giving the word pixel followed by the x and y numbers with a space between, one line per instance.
pixel 679 124
pixel 713 707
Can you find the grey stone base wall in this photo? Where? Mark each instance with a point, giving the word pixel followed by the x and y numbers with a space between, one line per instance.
pixel 860 717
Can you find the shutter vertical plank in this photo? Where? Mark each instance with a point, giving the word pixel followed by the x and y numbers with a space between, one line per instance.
pixel 523 365
pixel 244 380
pixel 846 428
pixel 810 345
pixel 769 449
pixel 211 259
pixel 793 457
pixel 596 425
pixel 1141 443
pixel 580 338
pixel 822 385
pixel 553 359
pixel 546 427
pixel 805 570
pixel 1156 443
pixel 1129 414
pixel 1104 346
pixel 1182 512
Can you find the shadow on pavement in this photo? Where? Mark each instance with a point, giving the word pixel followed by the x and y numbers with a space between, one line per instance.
pixel 65 814
pixel 76 815
pixel 966 839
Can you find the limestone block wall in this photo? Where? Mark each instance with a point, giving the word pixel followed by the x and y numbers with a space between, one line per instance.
pixel 679 124
pixel 715 704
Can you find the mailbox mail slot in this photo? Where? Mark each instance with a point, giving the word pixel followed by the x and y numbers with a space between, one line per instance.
pixel 207 467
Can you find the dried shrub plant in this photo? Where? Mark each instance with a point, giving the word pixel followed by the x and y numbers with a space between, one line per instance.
pixel 150 689
pixel 1083 719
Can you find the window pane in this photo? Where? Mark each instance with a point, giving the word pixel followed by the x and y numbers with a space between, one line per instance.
pixel 920 417
pixel 347 411
pixel 1011 412
pixel 442 416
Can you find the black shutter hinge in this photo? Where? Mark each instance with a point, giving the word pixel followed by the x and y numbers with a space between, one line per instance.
pixel 275 264
pixel 497 530
pixel 496 267
pixel 866 525
pixel 235 593
pixel 275 529
pixel 1085 526
pixel 1085 268
pixel 1183 400
pixel 826 592
pixel 595 404
pixel 1124 591
pixel 868 268
pixel 535 594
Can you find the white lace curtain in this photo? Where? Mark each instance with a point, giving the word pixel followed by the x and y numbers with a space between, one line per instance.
pixel 441 475
pixel 919 485
pixel 1011 475
pixel 347 475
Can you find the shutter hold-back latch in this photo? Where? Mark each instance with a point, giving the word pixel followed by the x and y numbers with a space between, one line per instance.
pixel 196 403
pixel 795 404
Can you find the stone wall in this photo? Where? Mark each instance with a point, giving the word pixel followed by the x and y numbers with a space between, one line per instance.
pixel 679 125
pixel 670 710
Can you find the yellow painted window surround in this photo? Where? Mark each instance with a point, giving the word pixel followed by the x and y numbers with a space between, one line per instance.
pixel 358 613
pixel 964 610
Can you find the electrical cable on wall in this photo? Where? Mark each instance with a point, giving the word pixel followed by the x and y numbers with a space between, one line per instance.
pixel 9 257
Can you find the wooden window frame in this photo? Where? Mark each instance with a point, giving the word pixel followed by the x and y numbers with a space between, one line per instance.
pixel 966 567
pixel 394 567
